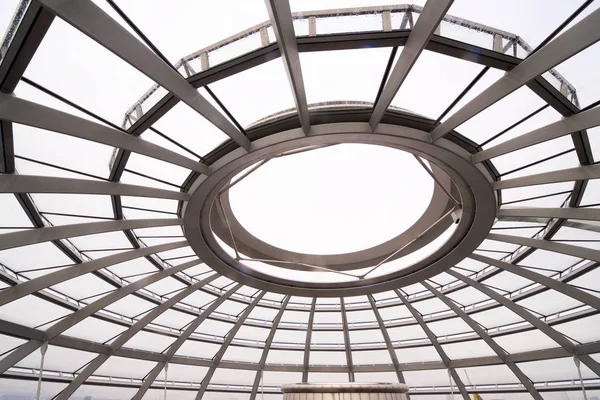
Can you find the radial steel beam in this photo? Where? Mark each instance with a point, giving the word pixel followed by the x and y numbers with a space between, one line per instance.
pixel 151 377
pixel 309 330
pixel 388 341
pixel 265 353
pixel 230 335
pixel 582 35
pixel 84 312
pixel 49 184
pixel 575 123
pixel 283 27
pixel 568 290
pixel 428 21
pixel 23 289
pixel 124 337
pixel 525 381
pixel 85 16
pixel 529 317
pixel 33 236
pixel 433 339
pixel 32 114
pixel 347 344
pixel 563 248
pixel 564 213
pixel 561 175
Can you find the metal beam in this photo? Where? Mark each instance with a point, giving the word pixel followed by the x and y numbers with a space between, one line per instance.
pixel 23 289
pixel 283 27
pixel 265 353
pixel 561 175
pixel 16 330
pixel 230 335
pixel 46 234
pixel 428 21
pixel 309 330
pixel 386 338
pixel 575 123
pixel 90 309
pixel 529 317
pixel 85 16
pixel 525 381
pixel 32 114
pixel 347 344
pixel 435 343
pixel 49 184
pixel 563 248
pixel 124 337
pixel 568 290
pixel 580 36
pixel 149 380
pixel 7 148
pixel 565 213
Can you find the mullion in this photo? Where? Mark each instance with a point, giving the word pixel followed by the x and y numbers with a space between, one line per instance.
pixel 562 153
pixel 152 178
pixel 61 168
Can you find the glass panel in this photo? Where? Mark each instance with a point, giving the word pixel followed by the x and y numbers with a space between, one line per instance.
pixel 449 327
pixel 39 313
pixel 285 357
pixel 525 341
pixel 417 354
pixel 68 71
pixel 504 18
pixel 371 357
pixel 343 75
pixel 578 74
pixel 369 377
pixel 150 342
pixel 420 92
pixel 496 317
pixel 433 377
pixel 189 129
pixel 268 86
pixel 95 329
pixel 329 377
pixel 549 302
pixel 82 204
pixel 327 357
pixel 580 329
pixel 554 370
pixel 58 359
pixel 192 348
pixel 244 354
pixel 277 378
pixel 489 374
pixel 468 349
pixel 197 22
pixel 21 389
pixel 184 373
pixel 233 376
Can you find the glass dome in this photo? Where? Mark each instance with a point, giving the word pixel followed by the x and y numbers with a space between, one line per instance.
pixel 214 199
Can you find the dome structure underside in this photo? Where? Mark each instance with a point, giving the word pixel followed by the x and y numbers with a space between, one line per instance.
pixel 130 267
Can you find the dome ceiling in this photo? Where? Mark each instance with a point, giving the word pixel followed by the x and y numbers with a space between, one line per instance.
pixel 314 193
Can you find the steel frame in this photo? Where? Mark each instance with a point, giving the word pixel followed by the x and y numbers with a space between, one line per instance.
pixel 6 128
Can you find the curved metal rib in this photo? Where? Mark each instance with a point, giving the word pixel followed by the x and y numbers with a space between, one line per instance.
pixel 33 236
pixel 128 334
pixel 435 343
pixel 525 381
pixel 577 38
pixel 88 310
pixel 46 184
pixel 95 23
pixel 53 278
pixel 554 284
pixel 181 339
pixel 529 317
pixel 230 335
pixel 265 353
pixel 28 113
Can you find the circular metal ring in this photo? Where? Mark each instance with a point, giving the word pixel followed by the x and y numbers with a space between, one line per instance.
pixel 225 225
pixel 473 186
